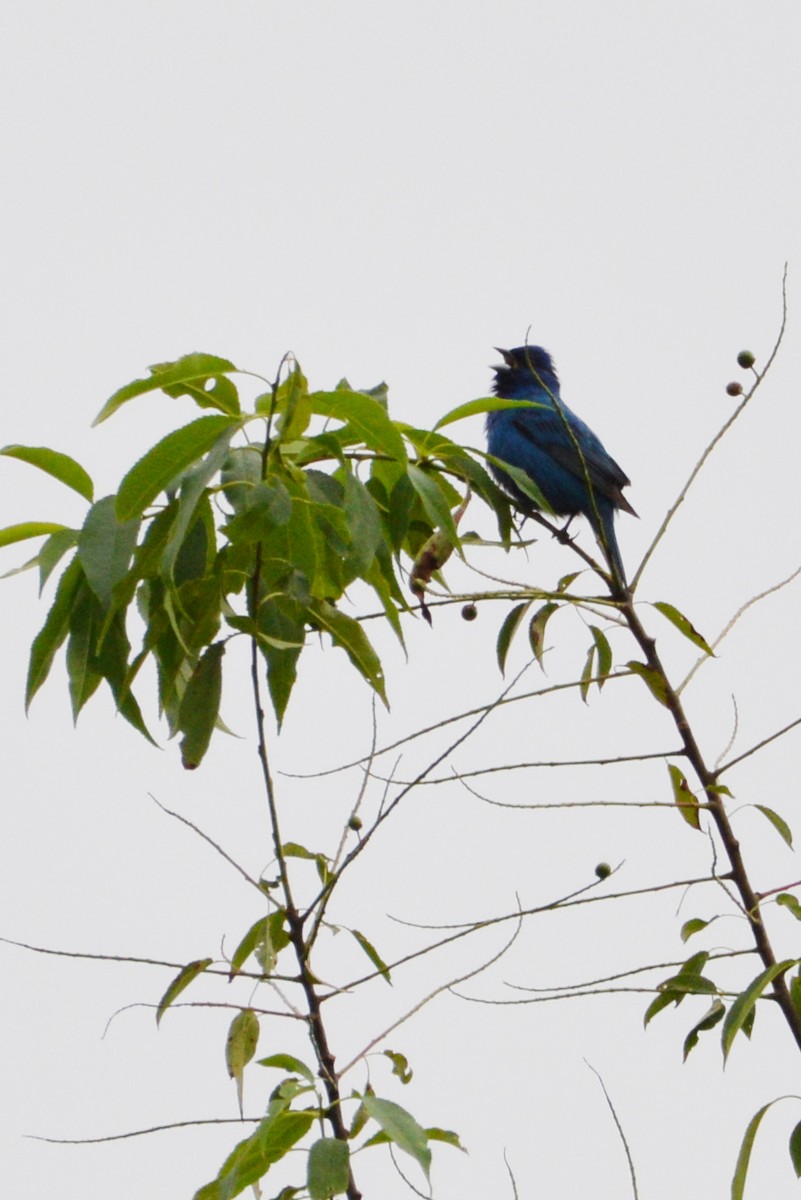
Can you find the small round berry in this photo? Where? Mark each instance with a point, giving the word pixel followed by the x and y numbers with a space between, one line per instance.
pixel 745 359
pixel 469 612
pixel 603 870
pixel 355 823
pixel 734 388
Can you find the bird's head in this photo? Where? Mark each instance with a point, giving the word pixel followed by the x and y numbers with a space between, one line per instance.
pixel 524 368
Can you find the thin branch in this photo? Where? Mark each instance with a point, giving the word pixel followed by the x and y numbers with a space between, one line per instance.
pixel 765 742
pixel 444 987
pixel 616 1119
pixel 215 845
pixel 727 628
pixel 716 439
pixel 120 1137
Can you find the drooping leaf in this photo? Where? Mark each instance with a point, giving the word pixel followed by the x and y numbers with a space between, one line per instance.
pixel 744 1156
pixel 790 902
pixel 653 680
pixel 437 508
pixel 694 925
pixel 240 1046
pixel 53 632
pixel 53 551
pixel 54 463
pixel 604 654
pixel 684 626
pixel 744 1006
pixel 105 547
pixel 328 1168
pixel 200 706
pixel 536 628
pixel 686 801
pixel 190 368
pixel 779 824
pixel 182 980
pixel 348 634
pixel 507 631
pixel 401 1128
pixel 587 673
pixel 162 464
pixel 795 1149
pixel 371 952
pixel 709 1020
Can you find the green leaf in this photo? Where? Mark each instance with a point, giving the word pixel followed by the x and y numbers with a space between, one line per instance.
pixel 743 1007
pixel 53 551
pixel 536 629
pixel 287 1062
pixel 744 1156
pixel 587 673
pixel 255 935
pixel 400 1065
pixel 193 486
pixel 507 631
pixel 328 1168
pixel 28 529
pixel 166 460
pixel 778 823
pixel 685 800
pixel 365 415
pixel 54 463
pixel 524 481
pixel 240 1045
pixel 434 503
pixel 55 629
pixel 252 1158
pixel 795 1149
pixel 445 1135
pixel 709 1020
pixel 191 368
pixel 654 681
pixel 348 634
pixel 182 980
pixel 790 902
pixel 484 404
pixel 695 925
pixel 604 654
pixel 86 621
pixel 372 954
pixel 105 547
pixel 200 706
pixel 401 1128
pixel 684 626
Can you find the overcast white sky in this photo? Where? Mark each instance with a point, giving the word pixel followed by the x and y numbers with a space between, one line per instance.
pixel 389 191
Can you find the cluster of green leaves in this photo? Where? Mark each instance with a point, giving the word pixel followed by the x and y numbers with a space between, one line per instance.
pixel 242 523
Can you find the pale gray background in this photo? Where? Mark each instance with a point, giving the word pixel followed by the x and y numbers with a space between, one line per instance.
pixel 389 190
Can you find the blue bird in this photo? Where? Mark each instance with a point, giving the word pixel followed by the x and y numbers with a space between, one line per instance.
pixel 555 449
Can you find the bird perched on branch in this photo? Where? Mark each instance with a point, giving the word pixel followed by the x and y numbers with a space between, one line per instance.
pixel 554 447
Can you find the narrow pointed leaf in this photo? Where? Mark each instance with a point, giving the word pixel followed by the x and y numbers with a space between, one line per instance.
pixel 795 1149
pixel 684 626
pixel 744 1156
pixel 653 680
pixel 790 902
pixel 686 801
pixel 200 706
pixel 536 629
pixel 105 547
pixel 695 925
pixel 182 980
pixel 166 460
pixel 54 463
pixel 192 367
pixel 287 1062
pixel 779 824
pixel 348 634
pixel 371 952
pixel 507 631
pixel 743 1007
pixel 484 404
pixel 709 1020
pixel 604 654
pixel 28 529
pixel 53 632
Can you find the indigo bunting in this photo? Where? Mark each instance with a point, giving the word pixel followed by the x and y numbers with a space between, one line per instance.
pixel 555 449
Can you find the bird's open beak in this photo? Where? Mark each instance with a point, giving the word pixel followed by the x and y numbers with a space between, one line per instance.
pixel 505 355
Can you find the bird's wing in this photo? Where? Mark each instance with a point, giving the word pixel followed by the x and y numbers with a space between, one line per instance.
pixel 548 435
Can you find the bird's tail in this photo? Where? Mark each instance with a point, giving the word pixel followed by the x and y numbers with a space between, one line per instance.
pixel 607 539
